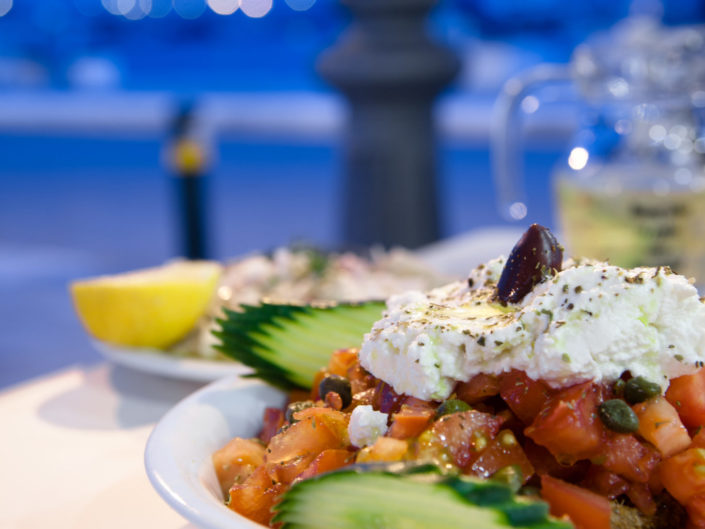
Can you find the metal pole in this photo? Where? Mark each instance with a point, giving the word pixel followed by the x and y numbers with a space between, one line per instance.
pixel 390 71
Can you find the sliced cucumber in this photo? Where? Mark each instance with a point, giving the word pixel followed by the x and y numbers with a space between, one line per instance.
pixel 287 344
pixel 377 497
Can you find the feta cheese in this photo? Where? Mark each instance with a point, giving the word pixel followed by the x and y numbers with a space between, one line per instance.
pixel 591 321
pixel 366 425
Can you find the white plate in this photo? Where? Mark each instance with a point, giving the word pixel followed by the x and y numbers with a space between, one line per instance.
pixel 159 363
pixel 178 453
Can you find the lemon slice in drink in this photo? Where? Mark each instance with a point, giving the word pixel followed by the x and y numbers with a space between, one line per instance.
pixel 153 307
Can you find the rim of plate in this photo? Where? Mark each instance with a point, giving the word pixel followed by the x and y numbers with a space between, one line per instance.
pixel 181 481
pixel 158 362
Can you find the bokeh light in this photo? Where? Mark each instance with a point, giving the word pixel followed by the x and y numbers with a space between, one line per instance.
pixel 255 8
pixel 224 7
pixel 189 8
pixel 5 6
pixel 111 6
pixel 160 8
pixel 578 158
pixel 300 5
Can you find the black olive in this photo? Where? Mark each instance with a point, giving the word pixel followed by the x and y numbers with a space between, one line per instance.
pixel 336 384
pixel 451 406
pixel 536 256
pixel 292 408
pixel 616 415
pixel 638 389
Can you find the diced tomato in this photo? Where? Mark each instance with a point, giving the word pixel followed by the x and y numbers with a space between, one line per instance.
pixel 696 510
pixel 384 449
pixel 660 425
pixel 386 399
pixel 410 421
pixel 641 497
pixel 236 461
pixel 683 475
pixel 293 449
pixel 272 421
pixel 626 456
pixel 478 388
pixel 544 463
pixel 465 434
pixel 524 396
pixel 503 451
pixel 342 360
pixel 586 509
pixel 568 424
pixel 255 497
pixel 604 482
pixel 687 395
pixel 360 379
pixel 698 440
pixel 320 375
pixel 326 461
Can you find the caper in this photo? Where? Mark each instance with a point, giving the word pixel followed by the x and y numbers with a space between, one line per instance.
pixel 336 384
pixel 638 389
pixel 451 406
pixel 292 408
pixel 616 415
pixel 510 475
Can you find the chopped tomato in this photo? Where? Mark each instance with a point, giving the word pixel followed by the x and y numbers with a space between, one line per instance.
pixel 272 421
pixel 465 434
pixel 236 461
pixel 386 399
pixel 698 440
pixel 342 360
pixel 410 421
pixel 687 395
pixel 320 375
pixel 696 510
pixel 683 475
pixel 478 388
pixel 524 396
pixel 568 424
pixel 359 378
pixel 384 449
pixel 544 463
pixel 604 482
pixel 293 449
pixel 326 461
pixel 503 451
pixel 586 509
pixel 626 456
pixel 660 424
pixel 641 497
pixel 255 497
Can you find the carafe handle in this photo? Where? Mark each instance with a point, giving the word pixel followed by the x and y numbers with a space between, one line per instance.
pixel 506 135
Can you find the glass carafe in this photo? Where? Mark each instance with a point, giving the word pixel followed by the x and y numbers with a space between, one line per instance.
pixel 631 187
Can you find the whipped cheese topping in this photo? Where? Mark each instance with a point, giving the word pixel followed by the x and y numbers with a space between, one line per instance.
pixel 591 321
pixel 366 426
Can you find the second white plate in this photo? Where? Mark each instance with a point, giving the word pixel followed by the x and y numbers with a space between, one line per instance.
pixel 159 363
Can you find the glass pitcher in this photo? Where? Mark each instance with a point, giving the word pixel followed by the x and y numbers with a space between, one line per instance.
pixel 632 186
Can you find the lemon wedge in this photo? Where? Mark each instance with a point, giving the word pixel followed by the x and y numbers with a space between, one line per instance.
pixel 153 307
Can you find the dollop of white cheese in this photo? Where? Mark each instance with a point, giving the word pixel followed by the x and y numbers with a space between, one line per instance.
pixel 366 425
pixel 591 321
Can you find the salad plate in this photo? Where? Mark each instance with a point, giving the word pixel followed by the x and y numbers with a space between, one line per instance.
pixel 156 362
pixel 178 453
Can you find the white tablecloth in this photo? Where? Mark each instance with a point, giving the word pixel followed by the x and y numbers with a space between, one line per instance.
pixel 71 450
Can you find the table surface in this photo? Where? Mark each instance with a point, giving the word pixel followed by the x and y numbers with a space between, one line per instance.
pixel 72 449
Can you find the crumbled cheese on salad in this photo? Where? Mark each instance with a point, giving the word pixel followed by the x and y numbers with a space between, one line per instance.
pixel 591 321
pixel 366 425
